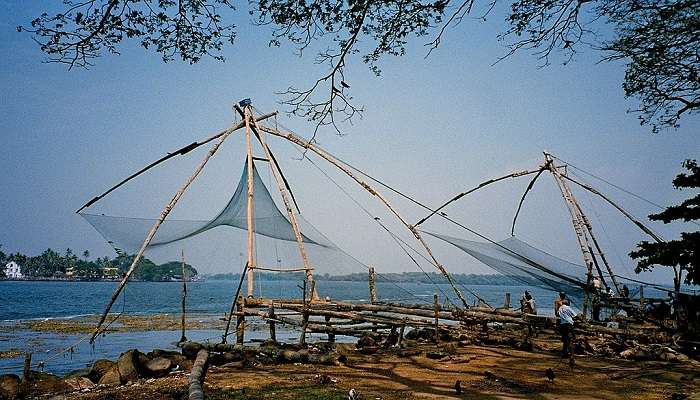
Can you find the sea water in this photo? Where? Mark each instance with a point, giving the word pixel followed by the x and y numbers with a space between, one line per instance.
pixel 27 300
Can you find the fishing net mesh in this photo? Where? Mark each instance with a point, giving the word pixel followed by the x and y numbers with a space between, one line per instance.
pixel 224 237
pixel 518 259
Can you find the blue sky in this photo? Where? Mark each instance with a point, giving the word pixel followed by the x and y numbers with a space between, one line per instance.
pixel 432 127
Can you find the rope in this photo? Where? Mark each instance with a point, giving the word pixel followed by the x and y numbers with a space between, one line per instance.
pixel 620 188
pixel 369 214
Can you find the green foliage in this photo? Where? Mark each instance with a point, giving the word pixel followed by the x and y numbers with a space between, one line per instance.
pixel 52 264
pixel 683 254
pixel 465 279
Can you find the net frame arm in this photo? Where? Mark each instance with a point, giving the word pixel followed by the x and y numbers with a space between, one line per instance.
pixel 474 189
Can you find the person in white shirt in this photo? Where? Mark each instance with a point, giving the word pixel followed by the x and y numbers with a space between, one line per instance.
pixel 566 326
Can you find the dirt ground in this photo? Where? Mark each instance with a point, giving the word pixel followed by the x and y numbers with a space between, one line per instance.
pixel 485 372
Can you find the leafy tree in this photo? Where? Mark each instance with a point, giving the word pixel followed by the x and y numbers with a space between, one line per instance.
pixel 657 39
pixel 86 254
pixel 682 254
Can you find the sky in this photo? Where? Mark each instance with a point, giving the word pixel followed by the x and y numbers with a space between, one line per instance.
pixel 432 127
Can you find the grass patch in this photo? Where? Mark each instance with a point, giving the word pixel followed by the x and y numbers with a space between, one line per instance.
pixel 306 392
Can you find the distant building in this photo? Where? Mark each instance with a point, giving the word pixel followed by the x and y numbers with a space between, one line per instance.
pixel 13 270
pixel 110 272
pixel 70 272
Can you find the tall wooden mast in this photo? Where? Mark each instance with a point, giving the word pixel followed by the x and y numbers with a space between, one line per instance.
pixel 250 211
pixel 579 225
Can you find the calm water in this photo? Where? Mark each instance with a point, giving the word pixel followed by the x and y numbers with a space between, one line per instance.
pixel 29 300
pixel 46 300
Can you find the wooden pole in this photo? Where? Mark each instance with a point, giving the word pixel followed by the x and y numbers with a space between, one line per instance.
pixel 481 185
pixel 436 305
pixel 301 142
pixel 250 211
pixel 578 227
pixel 331 335
pixel 402 330
pixel 506 301
pixel 641 298
pixel 183 338
pixel 240 320
pixel 522 199
pixel 234 301
pixel 287 203
pixel 171 154
pixel 271 315
pixel 164 214
pixel 372 280
pixel 196 378
pixel 26 369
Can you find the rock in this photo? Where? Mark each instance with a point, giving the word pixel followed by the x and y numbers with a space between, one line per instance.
pixel 158 367
pixel 99 368
pixel 43 383
pixel 366 341
pixel 627 354
pixel 79 373
pixel 79 383
pixel 128 366
pixel 9 386
pixel 163 353
pixel 111 377
pixel 449 348
pixel 190 349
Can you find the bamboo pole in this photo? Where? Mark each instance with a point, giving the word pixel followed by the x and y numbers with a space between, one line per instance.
pixel 179 152
pixel 436 304
pixel 331 336
pixel 474 189
pixel 301 142
pixel 184 296
pixel 287 203
pixel 522 199
pixel 506 301
pixel 578 227
pixel 372 281
pixel 589 228
pixel 240 320
pixel 249 214
pixel 164 214
pixel 233 304
pixel 627 215
pixel 271 316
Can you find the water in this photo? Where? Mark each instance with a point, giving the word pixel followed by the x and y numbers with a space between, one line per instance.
pixel 24 300
pixel 21 300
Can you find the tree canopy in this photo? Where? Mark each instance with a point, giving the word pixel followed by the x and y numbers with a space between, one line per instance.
pixel 682 254
pixel 657 39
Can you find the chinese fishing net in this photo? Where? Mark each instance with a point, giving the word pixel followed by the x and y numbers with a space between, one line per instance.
pixel 276 247
pixel 517 259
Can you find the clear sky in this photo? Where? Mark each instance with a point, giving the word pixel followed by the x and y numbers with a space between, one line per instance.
pixel 432 127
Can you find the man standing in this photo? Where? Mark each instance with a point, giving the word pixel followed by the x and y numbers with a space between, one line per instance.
pixel 557 303
pixel 566 326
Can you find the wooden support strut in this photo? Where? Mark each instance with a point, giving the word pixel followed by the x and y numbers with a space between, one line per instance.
pixel 578 226
pixel 249 214
pixel 183 338
pixel 151 234
pixel 301 142
pixel 474 189
pixel 287 204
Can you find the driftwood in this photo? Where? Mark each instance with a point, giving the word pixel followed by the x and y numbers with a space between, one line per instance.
pixel 197 375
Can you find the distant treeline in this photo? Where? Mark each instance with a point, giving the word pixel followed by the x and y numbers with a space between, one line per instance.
pixel 52 264
pixel 431 277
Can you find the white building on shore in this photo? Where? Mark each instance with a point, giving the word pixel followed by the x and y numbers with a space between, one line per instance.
pixel 13 271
